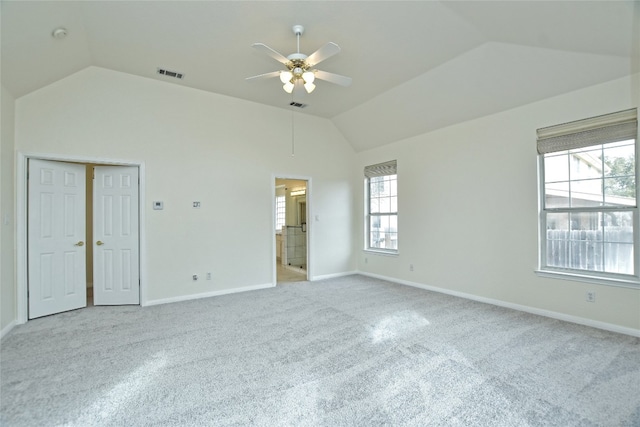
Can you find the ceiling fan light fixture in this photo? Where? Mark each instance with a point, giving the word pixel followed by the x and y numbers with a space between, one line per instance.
pixel 285 76
pixel 309 87
pixel 299 72
pixel 288 87
pixel 308 76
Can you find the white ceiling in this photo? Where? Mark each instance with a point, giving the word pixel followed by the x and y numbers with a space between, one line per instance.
pixel 416 65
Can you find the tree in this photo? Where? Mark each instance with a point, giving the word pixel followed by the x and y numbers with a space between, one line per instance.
pixel 621 176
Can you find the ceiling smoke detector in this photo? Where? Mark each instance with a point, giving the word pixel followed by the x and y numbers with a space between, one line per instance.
pixel 59 33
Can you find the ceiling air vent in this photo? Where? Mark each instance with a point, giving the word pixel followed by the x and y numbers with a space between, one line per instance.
pixel 297 104
pixel 168 73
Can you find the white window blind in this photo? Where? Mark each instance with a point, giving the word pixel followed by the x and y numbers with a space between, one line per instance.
pixel 604 129
pixel 381 169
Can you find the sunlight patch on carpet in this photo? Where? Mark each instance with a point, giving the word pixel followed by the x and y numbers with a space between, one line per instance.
pixel 397 325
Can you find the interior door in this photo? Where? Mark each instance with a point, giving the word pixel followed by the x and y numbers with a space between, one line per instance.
pixel 115 234
pixel 56 237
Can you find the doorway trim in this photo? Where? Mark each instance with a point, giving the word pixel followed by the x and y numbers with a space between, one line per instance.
pixel 310 227
pixel 22 285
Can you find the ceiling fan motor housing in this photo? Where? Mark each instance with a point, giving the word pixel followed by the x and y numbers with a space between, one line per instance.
pixel 297 60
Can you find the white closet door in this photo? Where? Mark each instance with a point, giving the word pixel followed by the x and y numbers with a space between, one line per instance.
pixel 115 234
pixel 56 237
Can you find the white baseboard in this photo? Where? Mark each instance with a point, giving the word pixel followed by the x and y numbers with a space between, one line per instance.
pixel 235 290
pixel 7 328
pixel 533 310
pixel 333 275
pixel 207 294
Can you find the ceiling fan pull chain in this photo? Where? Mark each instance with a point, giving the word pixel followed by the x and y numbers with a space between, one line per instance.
pixel 293 144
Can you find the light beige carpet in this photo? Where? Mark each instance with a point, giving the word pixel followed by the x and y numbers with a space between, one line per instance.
pixel 352 351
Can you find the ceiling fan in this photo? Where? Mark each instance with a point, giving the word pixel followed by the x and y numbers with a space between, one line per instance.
pixel 300 66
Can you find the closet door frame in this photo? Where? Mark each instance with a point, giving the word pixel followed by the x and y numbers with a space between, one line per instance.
pixel 22 159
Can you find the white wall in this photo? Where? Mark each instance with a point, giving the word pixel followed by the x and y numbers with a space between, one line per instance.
pixel 460 187
pixel 7 259
pixel 198 146
pixel 468 209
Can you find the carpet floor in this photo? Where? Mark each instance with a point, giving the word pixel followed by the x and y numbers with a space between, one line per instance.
pixel 351 351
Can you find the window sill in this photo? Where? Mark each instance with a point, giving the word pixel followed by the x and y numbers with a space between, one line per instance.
pixel 598 280
pixel 380 252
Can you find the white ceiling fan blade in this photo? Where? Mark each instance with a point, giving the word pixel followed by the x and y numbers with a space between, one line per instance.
pixel 272 53
pixel 333 78
pixel 264 76
pixel 326 51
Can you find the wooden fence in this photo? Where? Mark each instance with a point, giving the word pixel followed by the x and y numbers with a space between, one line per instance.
pixel 587 250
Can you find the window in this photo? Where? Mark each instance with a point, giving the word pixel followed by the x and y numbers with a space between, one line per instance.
pixel 589 212
pixel 381 195
pixel 280 212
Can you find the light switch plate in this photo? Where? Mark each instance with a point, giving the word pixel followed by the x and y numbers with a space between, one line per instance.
pixel 158 206
pixel 196 204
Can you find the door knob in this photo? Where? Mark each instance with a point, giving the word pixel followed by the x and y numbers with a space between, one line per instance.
pixel 80 243
pixel 99 243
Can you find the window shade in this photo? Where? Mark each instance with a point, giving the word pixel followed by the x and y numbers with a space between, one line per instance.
pixel 612 127
pixel 381 169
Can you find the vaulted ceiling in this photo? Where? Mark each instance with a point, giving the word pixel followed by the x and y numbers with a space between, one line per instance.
pixel 416 65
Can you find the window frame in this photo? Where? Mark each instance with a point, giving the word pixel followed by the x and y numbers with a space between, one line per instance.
pixel 368 215
pixel 588 276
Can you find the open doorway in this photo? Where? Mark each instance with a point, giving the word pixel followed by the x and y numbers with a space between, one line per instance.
pixel 291 228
